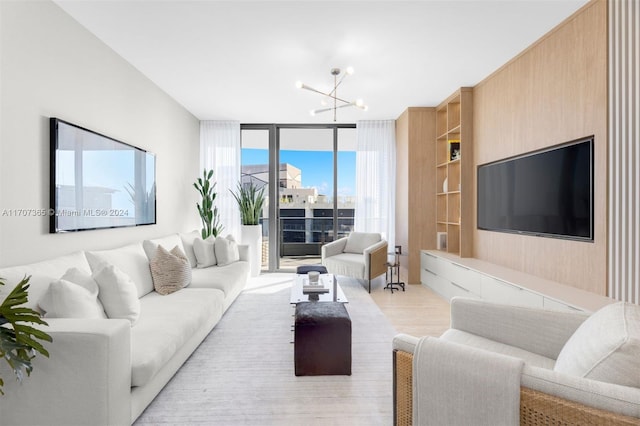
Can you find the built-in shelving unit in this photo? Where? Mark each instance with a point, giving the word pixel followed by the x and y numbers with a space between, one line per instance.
pixel 454 180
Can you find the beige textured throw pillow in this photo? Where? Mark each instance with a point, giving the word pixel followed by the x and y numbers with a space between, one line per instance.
pixel 171 271
pixel 606 347
pixel 226 250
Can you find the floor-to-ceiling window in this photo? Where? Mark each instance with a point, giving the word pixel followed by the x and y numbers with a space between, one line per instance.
pixel 309 171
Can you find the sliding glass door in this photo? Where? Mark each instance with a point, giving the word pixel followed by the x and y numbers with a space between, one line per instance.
pixel 309 171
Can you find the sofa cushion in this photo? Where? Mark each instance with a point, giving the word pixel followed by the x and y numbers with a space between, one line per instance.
pixel 131 259
pixel 187 243
pixel 605 347
pixel 349 264
pixel 168 242
pixel 118 293
pixel 358 241
pixel 226 250
pixel 75 295
pixel 478 342
pixel 42 274
pixel 205 252
pixel 165 324
pixel 226 278
pixel 171 271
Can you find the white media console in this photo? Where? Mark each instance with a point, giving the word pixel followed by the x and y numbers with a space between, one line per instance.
pixel 450 275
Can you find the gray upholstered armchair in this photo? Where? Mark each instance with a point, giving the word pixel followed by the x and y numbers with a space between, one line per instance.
pixel 361 255
pixel 508 365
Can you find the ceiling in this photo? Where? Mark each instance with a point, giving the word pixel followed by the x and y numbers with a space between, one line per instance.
pixel 239 60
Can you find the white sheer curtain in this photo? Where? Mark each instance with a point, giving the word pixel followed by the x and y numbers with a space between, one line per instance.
pixel 376 178
pixel 220 151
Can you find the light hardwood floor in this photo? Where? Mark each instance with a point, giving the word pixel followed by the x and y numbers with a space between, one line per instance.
pixel 417 311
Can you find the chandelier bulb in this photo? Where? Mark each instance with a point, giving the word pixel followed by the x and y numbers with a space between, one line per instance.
pixel 299 84
pixel 312 113
pixel 360 103
pixel 350 70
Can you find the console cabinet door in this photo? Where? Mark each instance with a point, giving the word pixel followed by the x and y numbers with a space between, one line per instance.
pixel 498 291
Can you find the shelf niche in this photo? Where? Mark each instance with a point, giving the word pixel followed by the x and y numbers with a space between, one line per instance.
pixel 454 172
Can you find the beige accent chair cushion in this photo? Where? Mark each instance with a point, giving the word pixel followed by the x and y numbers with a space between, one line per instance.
pixel 606 347
pixel 171 271
pixel 357 242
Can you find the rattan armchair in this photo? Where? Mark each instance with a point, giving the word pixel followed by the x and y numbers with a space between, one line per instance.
pixel 546 396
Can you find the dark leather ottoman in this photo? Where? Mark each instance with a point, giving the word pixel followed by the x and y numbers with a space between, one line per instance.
pixel 322 339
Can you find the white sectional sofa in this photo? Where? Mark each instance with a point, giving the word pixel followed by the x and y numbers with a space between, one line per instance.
pixel 106 371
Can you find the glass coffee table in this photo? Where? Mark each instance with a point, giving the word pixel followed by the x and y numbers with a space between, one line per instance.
pixel 329 281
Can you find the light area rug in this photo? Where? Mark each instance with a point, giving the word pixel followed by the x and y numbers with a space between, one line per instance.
pixel 243 372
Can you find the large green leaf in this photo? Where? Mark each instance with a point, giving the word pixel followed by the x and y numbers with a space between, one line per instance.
pixel 19 341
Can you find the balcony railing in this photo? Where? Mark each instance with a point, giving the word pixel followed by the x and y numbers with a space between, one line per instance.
pixel 304 236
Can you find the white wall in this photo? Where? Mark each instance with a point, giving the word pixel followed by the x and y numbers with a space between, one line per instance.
pixel 52 67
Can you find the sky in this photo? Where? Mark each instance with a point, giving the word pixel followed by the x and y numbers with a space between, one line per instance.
pixel 316 166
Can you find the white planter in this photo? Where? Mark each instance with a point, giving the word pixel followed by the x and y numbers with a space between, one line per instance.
pixel 252 236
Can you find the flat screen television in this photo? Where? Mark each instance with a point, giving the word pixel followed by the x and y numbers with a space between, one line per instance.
pixel 547 193
pixel 98 182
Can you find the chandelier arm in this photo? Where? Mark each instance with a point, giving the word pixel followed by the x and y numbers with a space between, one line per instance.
pixel 311 89
pixel 338 84
pixel 315 111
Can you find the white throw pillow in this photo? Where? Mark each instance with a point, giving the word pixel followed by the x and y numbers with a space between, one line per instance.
pixel 606 347
pixel 74 295
pixel 171 271
pixel 131 259
pixel 187 244
pixel 205 252
pixel 358 241
pixel 167 242
pixel 226 250
pixel 118 293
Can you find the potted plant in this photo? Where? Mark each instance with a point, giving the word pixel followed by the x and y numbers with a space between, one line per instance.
pixel 18 340
pixel 208 212
pixel 250 200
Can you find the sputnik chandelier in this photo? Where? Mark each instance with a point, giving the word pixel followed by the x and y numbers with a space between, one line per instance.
pixel 332 97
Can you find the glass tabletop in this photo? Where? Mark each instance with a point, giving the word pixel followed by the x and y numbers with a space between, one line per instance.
pixel 328 281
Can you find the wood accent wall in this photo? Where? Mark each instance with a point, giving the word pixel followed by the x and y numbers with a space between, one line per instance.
pixel 415 187
pixel 624 150
pixel 553 92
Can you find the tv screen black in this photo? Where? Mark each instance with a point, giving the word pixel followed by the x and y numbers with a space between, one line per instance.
pixel 546 193
pixel 98 182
